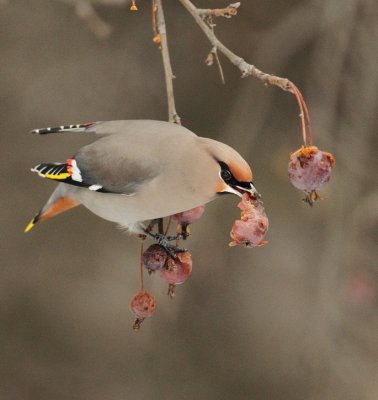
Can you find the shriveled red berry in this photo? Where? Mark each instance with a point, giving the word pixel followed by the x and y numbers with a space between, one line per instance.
pixel 142 305
pixel 154 257
pixel 309 169
pixel 177 271
pixel 250 230
pixel 189 216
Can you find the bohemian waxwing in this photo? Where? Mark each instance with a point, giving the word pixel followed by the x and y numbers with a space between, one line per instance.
pixel 141 170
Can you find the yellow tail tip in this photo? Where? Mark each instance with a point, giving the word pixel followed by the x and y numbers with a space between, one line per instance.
pixel 29 226
pixel 134 8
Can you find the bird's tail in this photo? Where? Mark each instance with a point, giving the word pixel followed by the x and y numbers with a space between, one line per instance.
pixel 64 128
pixel 58 202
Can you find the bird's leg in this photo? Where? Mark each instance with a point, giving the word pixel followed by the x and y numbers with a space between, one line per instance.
pixel 158 222
pixel 154 222
pixel 161 226
pixel 162 238
pixel 164 241
pixel 161 235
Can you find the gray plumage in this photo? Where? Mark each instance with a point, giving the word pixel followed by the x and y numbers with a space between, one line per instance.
pixel 151 169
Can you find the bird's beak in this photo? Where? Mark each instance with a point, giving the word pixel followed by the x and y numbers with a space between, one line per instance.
pixel 240 190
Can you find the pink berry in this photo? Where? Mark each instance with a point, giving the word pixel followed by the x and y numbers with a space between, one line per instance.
pixel 177 271
pixel 154 257
pixel 189 216
pixel 309 169
pixel 250 230
pixel 142 305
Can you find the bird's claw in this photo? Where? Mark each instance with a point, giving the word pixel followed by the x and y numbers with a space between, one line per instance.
pixel 164 241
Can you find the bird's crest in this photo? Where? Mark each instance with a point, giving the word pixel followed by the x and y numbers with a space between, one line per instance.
pixel 241 171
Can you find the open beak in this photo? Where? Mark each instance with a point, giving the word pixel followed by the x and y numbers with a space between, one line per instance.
pixel 240 190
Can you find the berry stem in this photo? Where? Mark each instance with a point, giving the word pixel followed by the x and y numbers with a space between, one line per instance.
pixel 154 9
pixel 301 114
pixel 178 231
pixel 141 267
pixel 304 115
pixel 168 225
pixel 171 290
pixel 137 323
pixel 307 116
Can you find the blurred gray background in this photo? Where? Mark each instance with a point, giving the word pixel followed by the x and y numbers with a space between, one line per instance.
pixel 295 319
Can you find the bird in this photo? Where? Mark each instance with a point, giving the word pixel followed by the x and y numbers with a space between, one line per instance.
pixel 140 170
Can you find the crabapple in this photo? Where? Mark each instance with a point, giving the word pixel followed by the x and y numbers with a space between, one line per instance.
pixel 309 169
pixel 142 305
pixel 177 271
pixel 154 257
pixel 250 230
pixel 189 216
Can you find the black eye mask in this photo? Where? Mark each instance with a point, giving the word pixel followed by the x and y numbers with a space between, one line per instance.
pixel 228 178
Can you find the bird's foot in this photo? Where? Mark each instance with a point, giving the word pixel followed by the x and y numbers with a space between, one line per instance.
pixel 164 241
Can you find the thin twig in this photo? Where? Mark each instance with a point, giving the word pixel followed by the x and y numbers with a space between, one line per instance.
pixel 172 113
pixel 227 12
pixel 100 2
pixel 220 69
pixel 245 68
pixel 214 52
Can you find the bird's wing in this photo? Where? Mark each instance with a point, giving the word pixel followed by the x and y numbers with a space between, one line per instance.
pixel 106 166
pixel 67 172
pixel 128 154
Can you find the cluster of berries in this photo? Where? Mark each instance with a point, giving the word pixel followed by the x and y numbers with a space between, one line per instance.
pixel 174 268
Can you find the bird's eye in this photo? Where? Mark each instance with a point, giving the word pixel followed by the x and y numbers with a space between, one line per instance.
pixel 226 175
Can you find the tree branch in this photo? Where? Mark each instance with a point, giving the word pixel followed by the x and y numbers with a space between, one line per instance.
pixel 226 12
pixel 161 28
pixel 100 2
pixel 245 68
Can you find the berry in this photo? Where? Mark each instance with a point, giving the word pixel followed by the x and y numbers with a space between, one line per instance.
pixel 142 305
pixel 189 216
pixel 156 39
pixel 309 169
pixel 177 271
pixel 154 257
pixel 250 230
pixel 133 6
